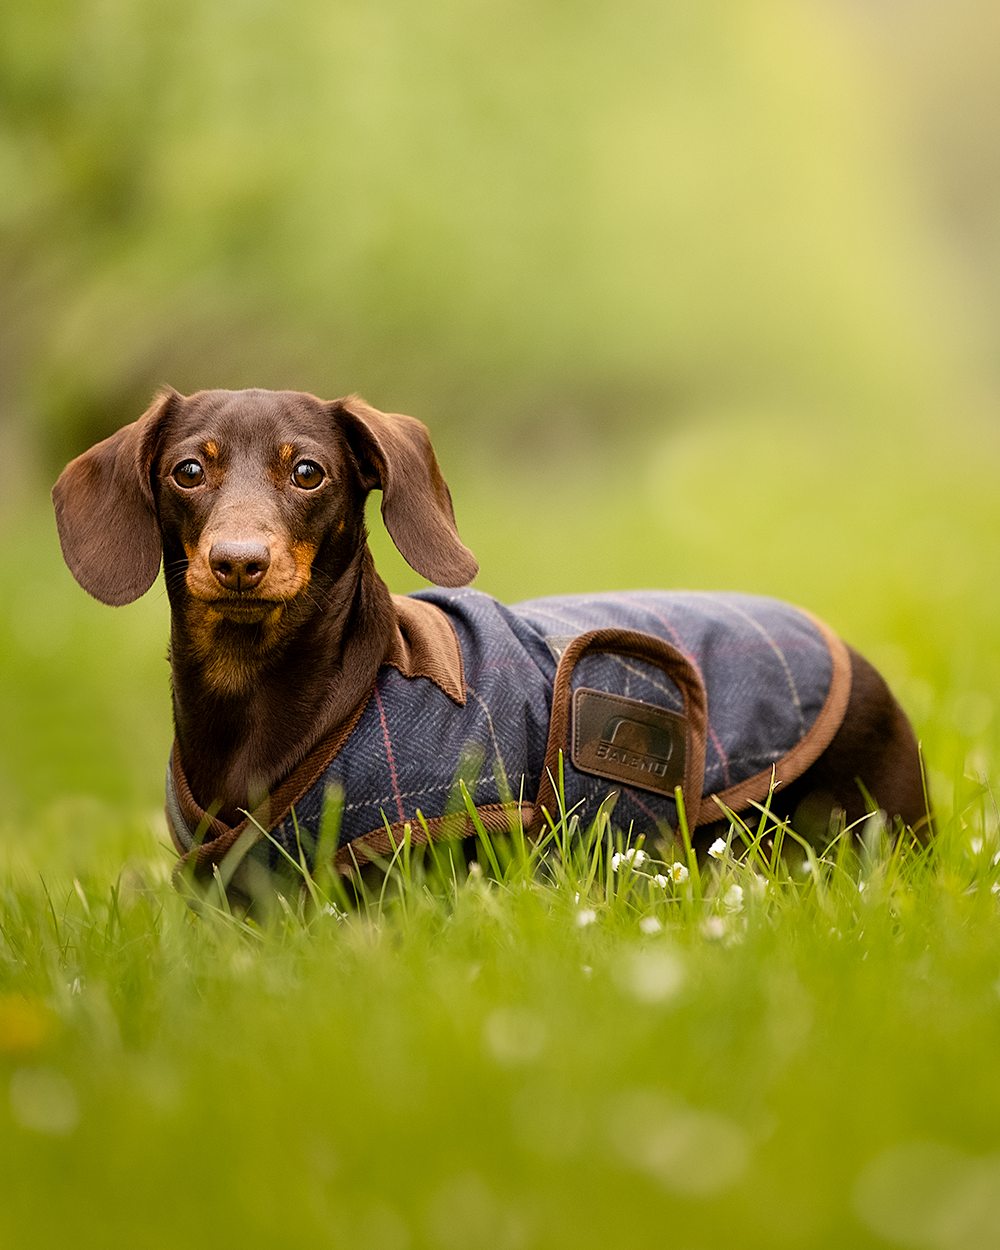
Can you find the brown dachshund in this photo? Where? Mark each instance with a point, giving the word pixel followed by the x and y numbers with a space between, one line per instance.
pixel 285 644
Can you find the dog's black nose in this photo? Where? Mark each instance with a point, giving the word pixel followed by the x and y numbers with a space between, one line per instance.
pixel 239 566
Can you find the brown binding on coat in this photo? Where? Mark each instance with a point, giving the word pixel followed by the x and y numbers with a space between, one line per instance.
pixel 806 751
pixel 383 843
pixel 424 644
pixel 649 650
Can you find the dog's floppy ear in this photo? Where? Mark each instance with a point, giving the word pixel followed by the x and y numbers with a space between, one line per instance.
pixel 394 454
pixel 105 511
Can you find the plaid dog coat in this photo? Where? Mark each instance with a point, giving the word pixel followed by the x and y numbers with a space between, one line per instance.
pixel 634 694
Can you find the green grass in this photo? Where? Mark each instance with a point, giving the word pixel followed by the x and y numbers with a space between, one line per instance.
pixel 565 1053
pixel 530 1057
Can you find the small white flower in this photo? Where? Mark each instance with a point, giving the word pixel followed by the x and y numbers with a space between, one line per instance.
pixel 632 855
pixel 649 924
pixel 717 849
pixel 732 900
pixel 475 870
pixel 714 927
pixel 585 916
pixel 676 874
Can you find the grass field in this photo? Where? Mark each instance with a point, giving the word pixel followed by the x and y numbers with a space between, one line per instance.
pixel 758 1055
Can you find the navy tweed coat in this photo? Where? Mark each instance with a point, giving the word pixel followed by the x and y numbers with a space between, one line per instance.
pixel 636 694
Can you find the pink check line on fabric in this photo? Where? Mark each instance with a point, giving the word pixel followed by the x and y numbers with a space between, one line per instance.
pixel 716 741
pixel 779 655
pixel 393 775
pixel 650 814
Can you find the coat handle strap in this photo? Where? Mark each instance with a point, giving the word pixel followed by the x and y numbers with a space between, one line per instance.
pixel 648 649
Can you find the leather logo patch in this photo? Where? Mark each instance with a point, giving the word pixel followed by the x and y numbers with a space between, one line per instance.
pixel 636 744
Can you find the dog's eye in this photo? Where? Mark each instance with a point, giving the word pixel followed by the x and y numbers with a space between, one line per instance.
pixel 307 475
pixel 188 473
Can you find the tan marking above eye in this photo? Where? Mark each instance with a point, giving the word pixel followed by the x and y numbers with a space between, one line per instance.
pixel 286 451
pixel 211 449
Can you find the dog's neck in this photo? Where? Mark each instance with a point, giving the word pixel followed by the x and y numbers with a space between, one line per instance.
pixel 251 701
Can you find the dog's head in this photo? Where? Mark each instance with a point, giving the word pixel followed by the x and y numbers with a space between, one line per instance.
pixel 248 496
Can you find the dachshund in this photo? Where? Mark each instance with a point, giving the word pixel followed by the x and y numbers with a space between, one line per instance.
pixel 296 675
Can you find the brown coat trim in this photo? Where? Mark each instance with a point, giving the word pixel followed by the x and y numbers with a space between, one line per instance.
pixel 495 818
pixel 647 649
pixel 424 644
pixel 805 752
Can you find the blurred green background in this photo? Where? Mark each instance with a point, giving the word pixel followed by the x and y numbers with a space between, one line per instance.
pixel 688 295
